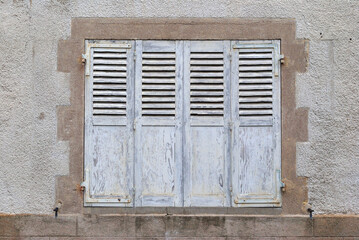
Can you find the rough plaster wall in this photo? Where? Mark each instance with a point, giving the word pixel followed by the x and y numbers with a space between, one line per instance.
pixel 31 88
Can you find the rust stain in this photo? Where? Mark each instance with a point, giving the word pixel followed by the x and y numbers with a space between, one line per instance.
pixel 80 60
pixel 289 185
pixel 79 188
pixel 41 116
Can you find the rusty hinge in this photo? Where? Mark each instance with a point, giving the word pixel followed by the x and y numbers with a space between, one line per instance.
pixel 85 183
pixel 83 59
pixel 282 59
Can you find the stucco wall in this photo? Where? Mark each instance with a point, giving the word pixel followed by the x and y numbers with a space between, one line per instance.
pixel 31 88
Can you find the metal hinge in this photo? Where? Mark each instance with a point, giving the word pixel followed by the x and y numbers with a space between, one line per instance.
pixel 85 61
pixel 85 183
pixel 281 183
pixel 84 58
pixel 277 65
pixel 281 58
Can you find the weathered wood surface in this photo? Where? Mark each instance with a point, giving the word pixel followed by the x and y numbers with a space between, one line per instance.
pixel 184 123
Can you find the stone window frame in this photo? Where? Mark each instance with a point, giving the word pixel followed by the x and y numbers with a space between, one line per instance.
pixel 70 125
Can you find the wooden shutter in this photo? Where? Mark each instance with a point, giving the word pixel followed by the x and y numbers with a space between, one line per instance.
pixel 206 119
pixel 209 110
pixel 256 146
pixel 158 123
pixel 108 123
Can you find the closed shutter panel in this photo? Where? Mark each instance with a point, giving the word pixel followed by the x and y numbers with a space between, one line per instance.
pixel 256 114
pixel 206 118
pixel 158 123
pixel 108 120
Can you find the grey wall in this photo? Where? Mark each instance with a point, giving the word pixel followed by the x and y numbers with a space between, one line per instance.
pixel 31 88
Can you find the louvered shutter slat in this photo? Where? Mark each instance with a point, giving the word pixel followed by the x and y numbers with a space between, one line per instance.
pixel 158 69
pixel 206 73
pixel 244 68
pixel 110 99
pixel 207 100
pixel 109 81
pixel 153 61
pixel 109 68
pixel 110 105
pixel 109 112
pixel 109 74
pixel 153 73
pixel 109 86
pixel 254 92
pixel 109 61
pixel 169 87
pixel 245 62
pixel 206 68
pixel 207 87
pixel 259 75
pixel 99 54
pixel 255 112
pixel 156 95
pixel 207 81
pixel 256 86
pixel 255 55
pixel 159 81
pixel 251 105
pixel 108 92
pixel 149 100
pixel 200 62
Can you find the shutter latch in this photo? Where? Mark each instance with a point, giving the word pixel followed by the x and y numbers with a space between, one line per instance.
pixel 231 126
pixel 134 124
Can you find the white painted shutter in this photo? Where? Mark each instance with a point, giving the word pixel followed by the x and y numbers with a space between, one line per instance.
pixel 206 119
pixel 182 107
pixel 158 126
pixel 108 123
pixel 256 147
